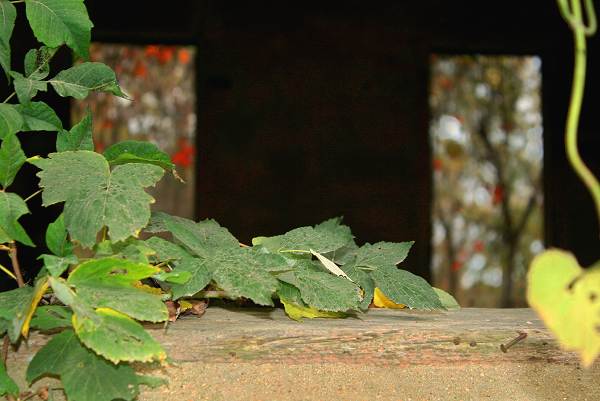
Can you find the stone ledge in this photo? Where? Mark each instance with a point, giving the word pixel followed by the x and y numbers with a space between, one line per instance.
pixel 260 354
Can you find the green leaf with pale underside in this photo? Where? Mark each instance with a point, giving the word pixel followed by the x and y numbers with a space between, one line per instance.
pixel 57 22
pixel 202 238
pixel 27 88
pixel 307 238
pixel 80 137
pixel 8 14
pixel 234 271
pixel 382 253
pixel 10 120
pixel 405 288
pixel 12 158
pixel 95 196
pixel 80 80
pixel 85 376
pixel 11 208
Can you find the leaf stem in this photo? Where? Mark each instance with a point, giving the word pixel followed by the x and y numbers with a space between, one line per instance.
pixel 9 97
pixel 574 17
pixel 8 272
pixel 33 194
pixel 15 263
pixel 17 1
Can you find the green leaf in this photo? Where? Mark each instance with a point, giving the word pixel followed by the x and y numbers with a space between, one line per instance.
pixel 78 138
pixel 335 226
pixel 327 292
pixel 166 250
pixel 151 381
pixel 37 62
pixel 84 375
pixel 446 299
pixel 11 208
pixel 38 116
pixel 12 158
pixel 382 253
pixel 51 317
pixel 137 152
pixel 175 277
pixel 10 120
pixel 27 88
pixel 236 272
pixel 117 337
pixel 57 22
pixel 111 283
pixel 57 265
pixel 290 292
pixel 7 384
pixel 96 197
pixel 200 275
pixel 305 238
pixel 56 237
pixel 405 288
pixel 7 24
pixel 202 238
pixel 13 308
pixel 364 280
pixel 79 80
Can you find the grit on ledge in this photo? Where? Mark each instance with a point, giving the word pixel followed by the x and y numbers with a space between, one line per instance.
pixel 260 354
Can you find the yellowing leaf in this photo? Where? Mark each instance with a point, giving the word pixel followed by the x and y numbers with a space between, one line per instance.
pixel 38 291
pixel 567 298
pixel 381 301
pixel 184 305
pixel 297 312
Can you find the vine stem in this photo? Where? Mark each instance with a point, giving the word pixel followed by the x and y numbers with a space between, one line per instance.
pixel 15 263
pixel 574 17
pixel 9 97
pixel 32 195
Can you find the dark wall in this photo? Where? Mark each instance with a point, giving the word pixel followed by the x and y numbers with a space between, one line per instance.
pixel 315 109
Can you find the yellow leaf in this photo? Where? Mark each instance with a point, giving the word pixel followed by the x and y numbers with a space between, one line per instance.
pixel 39 290
pixel 146 288
pixel 297 312
pixel 381 301
pixel 567 298
pixel 184 305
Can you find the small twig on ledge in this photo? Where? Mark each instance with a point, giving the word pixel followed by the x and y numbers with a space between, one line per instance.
pixel 244 245
pixel 504 347
pixel 15 263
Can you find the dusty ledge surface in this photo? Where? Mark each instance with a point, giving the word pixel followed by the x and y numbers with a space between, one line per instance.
pixel 260 354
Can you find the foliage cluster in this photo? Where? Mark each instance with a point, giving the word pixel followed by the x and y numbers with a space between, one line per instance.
pixel 100 279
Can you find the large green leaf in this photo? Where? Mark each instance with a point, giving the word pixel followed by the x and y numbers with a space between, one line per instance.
pixel 96 197
pixel 235 271
pixel 56 237
pixel 12 158
pixel 202 238
pixel 84 375
pixel 57 265
pixel 57 22
pixel 80 80
pixel 322 240
pixel 200 275
pixel 117 337
pixel 27 88
pixel 38 116
pixel 7 384
pixel 13 308
pixel 51 317
pixel 325 291
pixel 137 152
pixel 10 120
pixel 405 288
pixel 111 283
pixel 80 137
pixel 11 208
pixel 8 14
pixel 364 280
pixel 382 253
